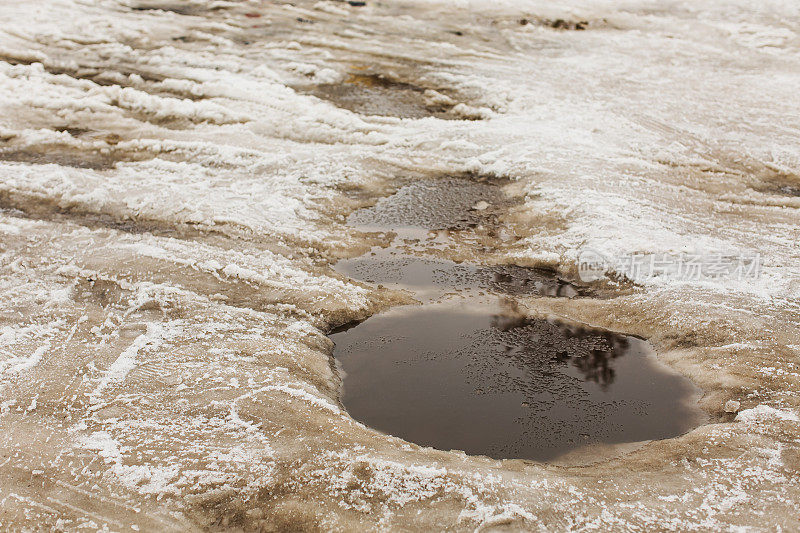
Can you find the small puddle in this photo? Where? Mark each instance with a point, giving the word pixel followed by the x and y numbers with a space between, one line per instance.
pixel 371 94
pixel 174 7
pixel 67 156
pixel 466 370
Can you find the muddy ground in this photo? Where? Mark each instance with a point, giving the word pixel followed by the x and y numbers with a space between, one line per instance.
pixel 176 182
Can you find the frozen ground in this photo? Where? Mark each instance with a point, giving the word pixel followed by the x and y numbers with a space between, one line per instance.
pixel 174 185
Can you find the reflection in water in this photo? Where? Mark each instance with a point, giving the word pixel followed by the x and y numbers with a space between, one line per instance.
pixel 595 367
pixel 590 351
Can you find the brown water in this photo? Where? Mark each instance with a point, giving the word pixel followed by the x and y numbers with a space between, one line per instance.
pixel 467 370
pixel 369 94
pixel 474 378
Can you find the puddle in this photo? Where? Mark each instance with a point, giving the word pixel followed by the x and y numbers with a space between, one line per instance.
pixel 369 94
pixel 473 378
pixel 775 182
pixel 438 204
pixel 790 191
pixel 782 189
pixel 175 7
pixel 466 370
pixel 67 156
pixel 434 276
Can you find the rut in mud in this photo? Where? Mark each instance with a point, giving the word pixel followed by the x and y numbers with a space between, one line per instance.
pixel 468 370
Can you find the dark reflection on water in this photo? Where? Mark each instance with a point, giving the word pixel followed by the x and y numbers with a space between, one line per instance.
pixel 590 351
pixel 489 382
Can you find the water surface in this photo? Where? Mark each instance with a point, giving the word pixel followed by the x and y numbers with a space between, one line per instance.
pixel 474 378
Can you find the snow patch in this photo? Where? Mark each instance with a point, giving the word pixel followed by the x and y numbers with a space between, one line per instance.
pixel 763 413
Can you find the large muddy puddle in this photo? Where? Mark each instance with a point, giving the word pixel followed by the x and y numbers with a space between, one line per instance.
pixel 475 378
pixel 467 370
